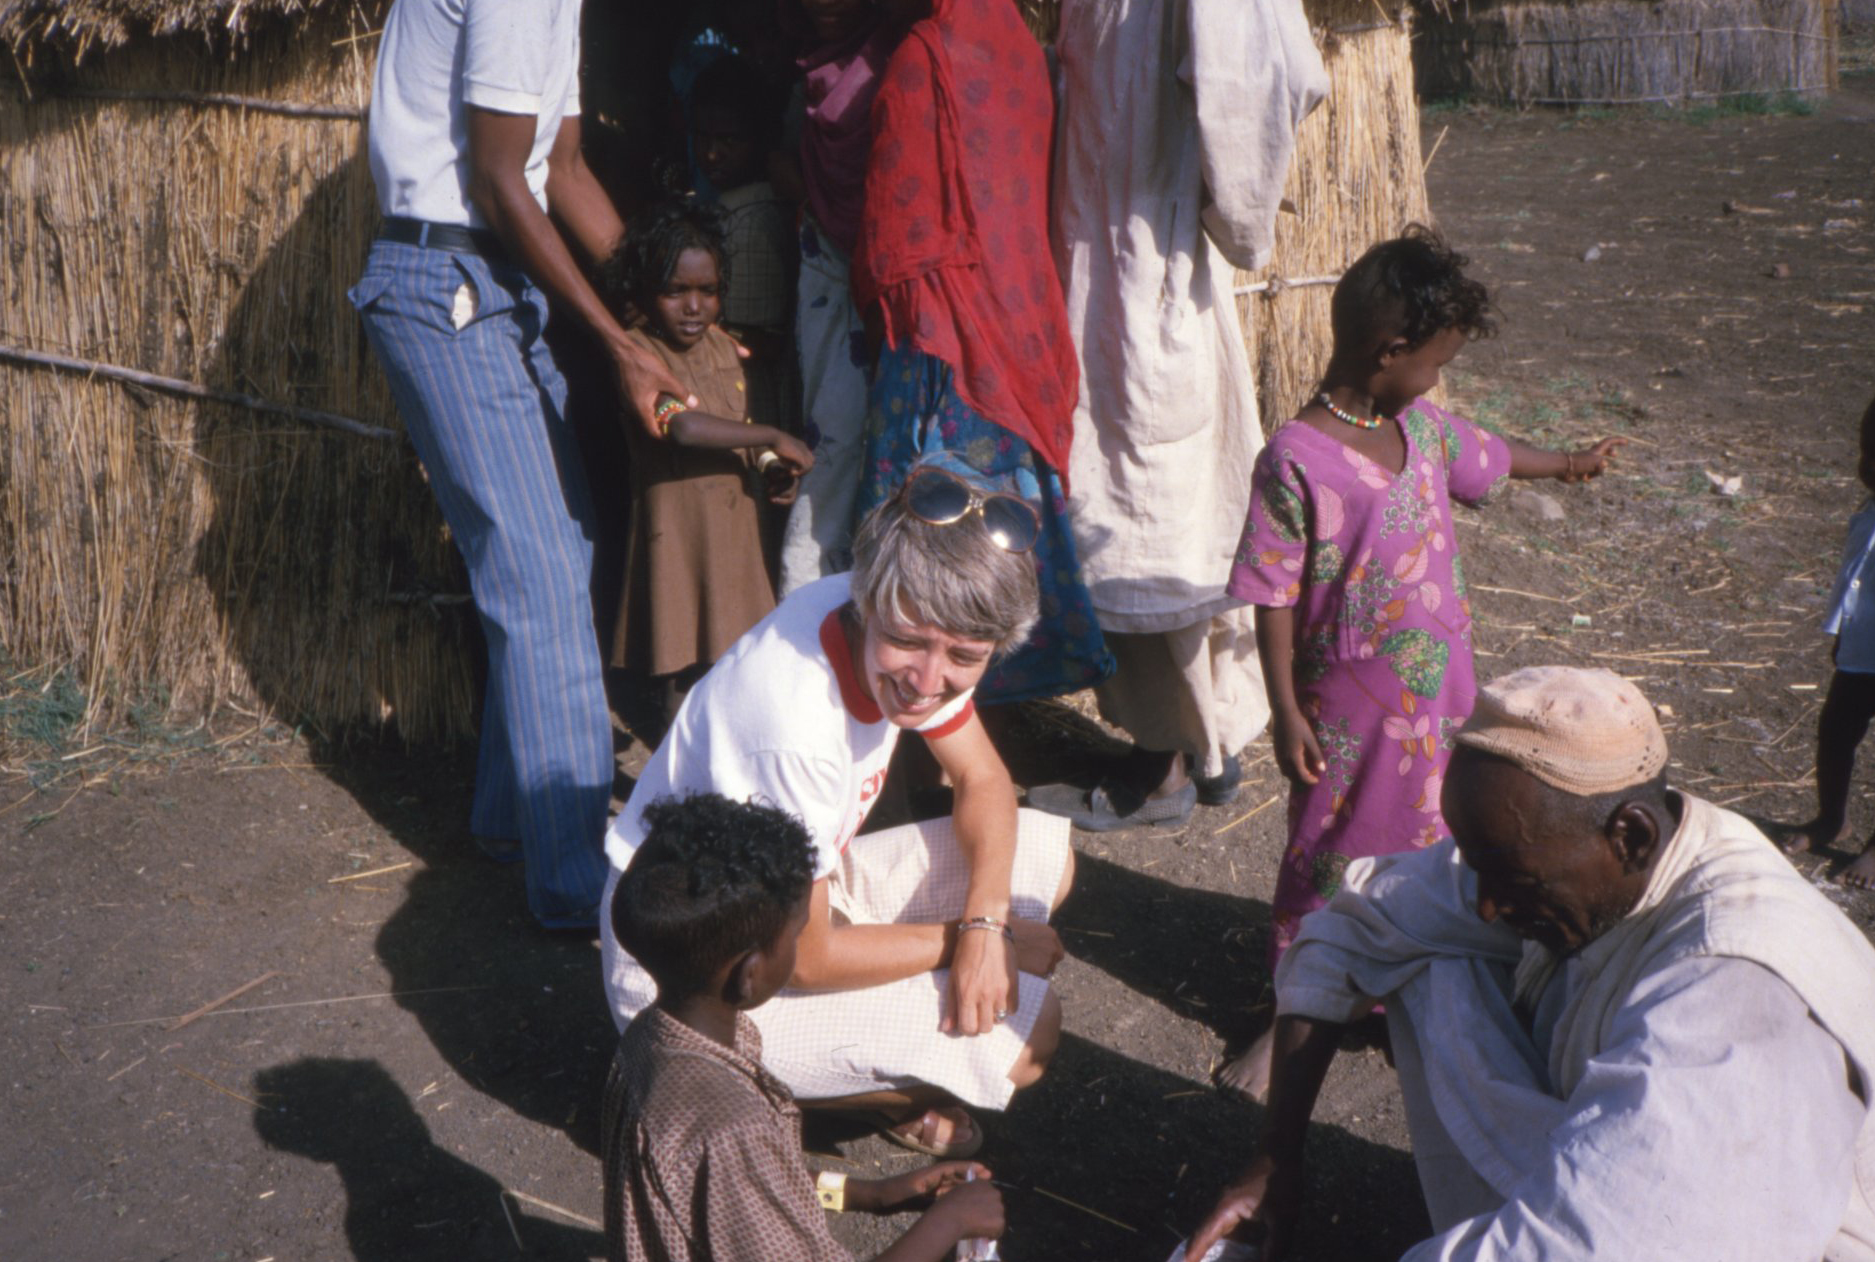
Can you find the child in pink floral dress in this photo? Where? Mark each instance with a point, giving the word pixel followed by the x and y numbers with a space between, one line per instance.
pixel 1348 552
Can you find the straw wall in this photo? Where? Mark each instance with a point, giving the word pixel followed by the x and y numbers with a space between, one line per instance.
pixel 1629 52
pixel 1357 178
pixel 220 553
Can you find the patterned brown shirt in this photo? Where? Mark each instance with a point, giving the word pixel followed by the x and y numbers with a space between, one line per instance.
pixel 703 1153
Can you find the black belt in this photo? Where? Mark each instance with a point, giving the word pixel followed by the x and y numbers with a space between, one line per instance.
pixel 441 236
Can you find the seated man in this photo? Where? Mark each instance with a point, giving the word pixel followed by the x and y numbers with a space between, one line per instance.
pixel 1625 1027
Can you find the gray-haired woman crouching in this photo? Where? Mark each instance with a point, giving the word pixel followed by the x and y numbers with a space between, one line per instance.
pixel 920 977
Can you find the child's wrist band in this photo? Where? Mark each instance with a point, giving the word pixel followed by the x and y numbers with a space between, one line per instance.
pixel 764 460
pixel 830 1190
pixel 666 410
pixel 1570 456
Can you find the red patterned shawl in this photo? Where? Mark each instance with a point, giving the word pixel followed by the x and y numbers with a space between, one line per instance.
pixel 953 250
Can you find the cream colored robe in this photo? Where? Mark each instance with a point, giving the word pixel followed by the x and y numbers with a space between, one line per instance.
pixel 1177 124
pixel 1173 113
pixel 1692 1084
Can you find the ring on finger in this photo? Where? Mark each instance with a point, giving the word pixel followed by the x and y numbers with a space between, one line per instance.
pixel 1001 1016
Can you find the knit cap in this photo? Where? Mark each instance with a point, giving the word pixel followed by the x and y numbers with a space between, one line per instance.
pixel 1585 732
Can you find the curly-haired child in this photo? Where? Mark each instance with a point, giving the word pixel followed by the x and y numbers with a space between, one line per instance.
pixel 701 1143
pixel 695 574
pixel 1348 553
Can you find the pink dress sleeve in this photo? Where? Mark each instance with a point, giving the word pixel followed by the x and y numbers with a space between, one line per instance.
pixel 1476 461
pixel 1273 549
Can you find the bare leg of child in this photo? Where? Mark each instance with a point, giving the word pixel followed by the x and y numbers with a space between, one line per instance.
pixel 1847 709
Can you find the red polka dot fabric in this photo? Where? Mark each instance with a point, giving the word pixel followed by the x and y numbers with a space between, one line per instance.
pixel 953 246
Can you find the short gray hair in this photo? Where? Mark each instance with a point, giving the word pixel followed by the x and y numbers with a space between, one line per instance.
pixel 951 577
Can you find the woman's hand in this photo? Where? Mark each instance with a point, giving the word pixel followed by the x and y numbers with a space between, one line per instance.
pixel 983 982
pixel 1269 1192
pixel 783 474
pixel 891 1193
pixel 1298 753
pixel 1591 462
pixel 1038 947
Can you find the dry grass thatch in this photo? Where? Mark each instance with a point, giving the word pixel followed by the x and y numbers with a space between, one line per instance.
pixel 73 29
pixel 1629 52
pixel 1357 178
pixel 149 540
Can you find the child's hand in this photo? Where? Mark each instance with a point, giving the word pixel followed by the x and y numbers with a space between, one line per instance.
pixel 969 1211
pixel 927 1181
pixel 792 459
pixel 1298 754
pixel 1591 462
pixel 1038 947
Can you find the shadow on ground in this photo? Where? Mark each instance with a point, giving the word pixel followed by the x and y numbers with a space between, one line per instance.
pixel 1142 1153
pixel 405 1196
pixel 1196 951
pixel 517 1011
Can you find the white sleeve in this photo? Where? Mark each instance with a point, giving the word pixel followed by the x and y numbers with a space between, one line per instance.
pixel 1255 75
pixel 507 49
pixel 1392 916
pixel 813 790
pixel 571 109
pixel 1718 1123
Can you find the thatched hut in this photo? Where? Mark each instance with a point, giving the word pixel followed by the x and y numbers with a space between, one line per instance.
pixel 1357 178
pixel 1627 52
pixel 204 488
pixel 204 491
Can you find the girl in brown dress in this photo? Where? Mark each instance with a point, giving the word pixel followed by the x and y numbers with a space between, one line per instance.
pixel 695 575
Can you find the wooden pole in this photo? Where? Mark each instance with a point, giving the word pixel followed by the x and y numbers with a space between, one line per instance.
pixel 174 385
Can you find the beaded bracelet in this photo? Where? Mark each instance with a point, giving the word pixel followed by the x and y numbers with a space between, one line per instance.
pixel 667 409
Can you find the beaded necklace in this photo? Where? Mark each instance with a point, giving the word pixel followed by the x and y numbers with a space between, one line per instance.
pixel 1372 422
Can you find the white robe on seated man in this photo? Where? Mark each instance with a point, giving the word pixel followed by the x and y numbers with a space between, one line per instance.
pixel 1695 1083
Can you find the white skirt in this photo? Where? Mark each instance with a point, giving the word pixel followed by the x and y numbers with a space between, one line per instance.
pixel 825 1044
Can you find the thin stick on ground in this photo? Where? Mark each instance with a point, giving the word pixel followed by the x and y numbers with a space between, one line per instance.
pixel 1092 1213
pixel 1512 591
pixel 1252 813
pixel 208 1082
pixel 213 1004
pixel 359 876
pixel 550 1207
pixel 126 1069
pixel 297 1003
pixel 509 1215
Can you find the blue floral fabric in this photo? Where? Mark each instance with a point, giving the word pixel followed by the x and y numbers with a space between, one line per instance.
pixel 914 414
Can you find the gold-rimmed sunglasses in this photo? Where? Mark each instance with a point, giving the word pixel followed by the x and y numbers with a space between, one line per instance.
pixel 939 497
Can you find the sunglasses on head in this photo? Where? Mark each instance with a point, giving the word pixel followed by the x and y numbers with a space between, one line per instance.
pixel 939 497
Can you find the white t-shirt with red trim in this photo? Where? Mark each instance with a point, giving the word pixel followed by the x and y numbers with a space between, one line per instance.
pixel 781 719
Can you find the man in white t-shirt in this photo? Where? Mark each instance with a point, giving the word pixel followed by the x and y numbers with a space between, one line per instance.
pixel 474 134
pixel 919 980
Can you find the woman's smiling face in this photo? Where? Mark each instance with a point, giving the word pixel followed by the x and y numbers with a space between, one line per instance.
pixel 912 670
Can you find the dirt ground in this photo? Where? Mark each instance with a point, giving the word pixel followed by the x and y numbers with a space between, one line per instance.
pixel 418 1074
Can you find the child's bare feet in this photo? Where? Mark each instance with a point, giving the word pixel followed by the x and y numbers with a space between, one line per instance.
pixel 1812 834
pixel 1248 1076
pixel 1860 874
